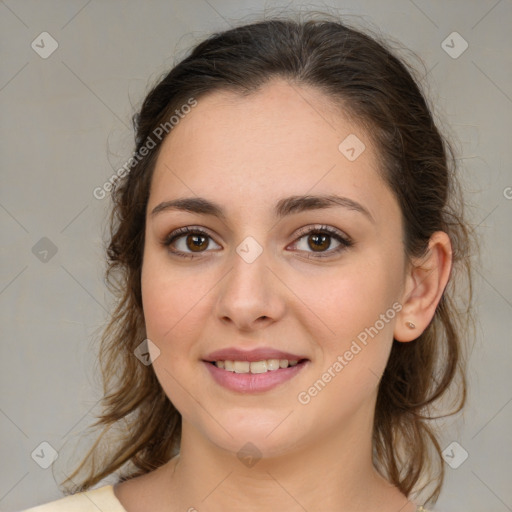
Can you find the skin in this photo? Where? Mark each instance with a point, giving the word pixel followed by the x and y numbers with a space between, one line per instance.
pixel 246 153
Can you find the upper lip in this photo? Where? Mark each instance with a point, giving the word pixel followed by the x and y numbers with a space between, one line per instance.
pixel 257 354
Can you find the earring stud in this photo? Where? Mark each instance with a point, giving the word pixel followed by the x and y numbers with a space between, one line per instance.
pixel 410 325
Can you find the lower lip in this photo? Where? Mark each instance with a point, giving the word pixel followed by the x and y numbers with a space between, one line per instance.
pixel 253 382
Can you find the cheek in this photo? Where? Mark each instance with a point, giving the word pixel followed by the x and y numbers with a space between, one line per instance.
pixel 360 308
pixel 348 301
pixel 162 305
pixel 355 312
pixel 175 302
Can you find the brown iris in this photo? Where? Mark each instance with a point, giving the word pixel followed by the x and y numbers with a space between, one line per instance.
pixel 197 242
pixel 320 241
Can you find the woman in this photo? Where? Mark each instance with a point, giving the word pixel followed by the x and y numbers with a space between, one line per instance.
pixel 284 245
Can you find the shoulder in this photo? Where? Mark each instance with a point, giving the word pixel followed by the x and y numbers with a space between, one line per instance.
pixel 93 500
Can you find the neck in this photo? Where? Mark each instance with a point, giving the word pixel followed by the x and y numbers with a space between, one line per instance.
pixel 334 471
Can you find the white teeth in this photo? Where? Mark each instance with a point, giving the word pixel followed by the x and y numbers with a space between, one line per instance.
pixel 273 364
pixel 241 366
pixel 255 366
pixel 259 367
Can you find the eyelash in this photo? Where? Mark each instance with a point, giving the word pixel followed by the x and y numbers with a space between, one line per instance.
pixel 344 240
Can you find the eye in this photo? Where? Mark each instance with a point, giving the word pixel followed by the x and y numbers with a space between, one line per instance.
pixel 319 239
pixel 187 241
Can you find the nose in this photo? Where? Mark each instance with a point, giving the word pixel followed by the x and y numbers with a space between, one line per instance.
pixel 250 296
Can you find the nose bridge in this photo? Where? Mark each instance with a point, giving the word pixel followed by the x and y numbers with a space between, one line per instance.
pixel 249 292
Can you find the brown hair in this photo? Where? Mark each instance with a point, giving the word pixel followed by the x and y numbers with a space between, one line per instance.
pixel 373 86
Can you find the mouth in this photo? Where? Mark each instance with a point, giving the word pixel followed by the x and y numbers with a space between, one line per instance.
pixel 253 377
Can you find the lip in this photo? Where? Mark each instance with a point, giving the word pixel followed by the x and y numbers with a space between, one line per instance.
pixel 257 354
pixel 254 382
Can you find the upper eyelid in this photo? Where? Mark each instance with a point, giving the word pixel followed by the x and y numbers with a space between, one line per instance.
pixel 185 230
pixel 331 230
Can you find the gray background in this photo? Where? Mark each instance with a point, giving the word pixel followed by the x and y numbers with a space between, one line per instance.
pixel 65 125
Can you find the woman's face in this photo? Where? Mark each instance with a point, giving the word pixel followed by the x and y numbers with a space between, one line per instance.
pixel 269 270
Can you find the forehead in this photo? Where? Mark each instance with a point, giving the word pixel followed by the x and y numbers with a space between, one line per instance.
pixel 282 139
pixel 294 118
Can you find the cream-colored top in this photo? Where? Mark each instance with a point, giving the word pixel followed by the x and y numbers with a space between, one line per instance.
pixel 95 500
pixel 102 499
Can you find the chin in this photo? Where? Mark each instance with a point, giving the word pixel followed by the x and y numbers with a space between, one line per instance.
pixel 256 435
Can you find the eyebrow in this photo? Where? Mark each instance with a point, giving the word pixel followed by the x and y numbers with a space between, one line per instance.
pixel 284 207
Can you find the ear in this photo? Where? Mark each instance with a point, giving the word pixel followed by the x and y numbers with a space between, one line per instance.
pixel 425 282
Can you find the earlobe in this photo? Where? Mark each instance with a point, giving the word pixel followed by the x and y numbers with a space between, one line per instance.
pixel 425 283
